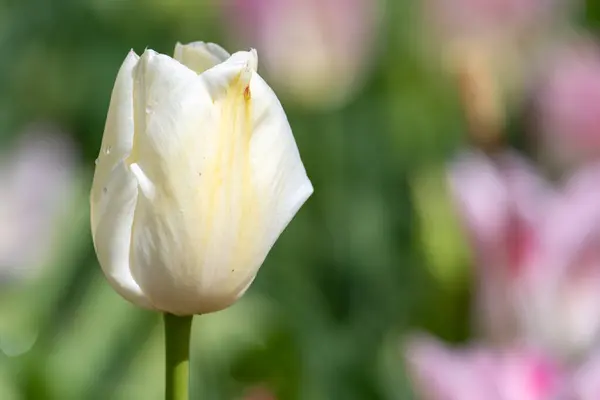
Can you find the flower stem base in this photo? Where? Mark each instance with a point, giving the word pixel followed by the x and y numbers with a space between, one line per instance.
pixel 177 356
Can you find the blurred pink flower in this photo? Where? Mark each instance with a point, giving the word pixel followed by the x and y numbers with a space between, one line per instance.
pixel 493 48
pixel 316 50
pixel 488 17
pixel 537 252
pixel 567 102
pixel 36 178
pixel 480 373
pixel 586 379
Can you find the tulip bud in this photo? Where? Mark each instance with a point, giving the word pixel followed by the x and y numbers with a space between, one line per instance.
pixel 198 175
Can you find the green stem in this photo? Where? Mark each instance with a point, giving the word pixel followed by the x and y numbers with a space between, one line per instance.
pixel 177 356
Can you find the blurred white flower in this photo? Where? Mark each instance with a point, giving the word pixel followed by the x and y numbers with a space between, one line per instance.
pixel 317 51
pixel 36 179
pixel 197 177
pixel 536 252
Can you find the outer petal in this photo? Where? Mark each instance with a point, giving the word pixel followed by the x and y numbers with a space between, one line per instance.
pixel 277 170
pixel 222 179
pixel 200 56
pixel 114 190
pixel 171 105
pixel 234 74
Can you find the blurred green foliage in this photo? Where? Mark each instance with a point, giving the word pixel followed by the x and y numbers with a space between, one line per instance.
pixel 372 256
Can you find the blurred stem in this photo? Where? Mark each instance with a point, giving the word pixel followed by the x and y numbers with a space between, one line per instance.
pixel 177 356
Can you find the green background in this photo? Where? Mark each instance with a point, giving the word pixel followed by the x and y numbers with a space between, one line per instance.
pixel 374 255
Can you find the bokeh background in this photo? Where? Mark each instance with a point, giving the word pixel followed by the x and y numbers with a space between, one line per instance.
pixel 375 254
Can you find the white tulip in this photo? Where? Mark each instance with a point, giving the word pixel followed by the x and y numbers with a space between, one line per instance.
pixel 197 177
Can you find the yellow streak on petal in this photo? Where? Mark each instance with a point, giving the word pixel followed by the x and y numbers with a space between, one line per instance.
pixel 228 183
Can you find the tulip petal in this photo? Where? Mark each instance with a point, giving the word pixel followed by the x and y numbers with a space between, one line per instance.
pixel 112 236
pixel 200 56
pixel 114 190
pixel 171 107
pixel 117 140
pixel 146 185
pixel 233 74
pixel 227 179
pixel 278 171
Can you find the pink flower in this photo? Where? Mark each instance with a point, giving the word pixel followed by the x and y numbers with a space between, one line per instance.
pixel 568 101
pixel 536 250
pixel 480 373
pixel 316 50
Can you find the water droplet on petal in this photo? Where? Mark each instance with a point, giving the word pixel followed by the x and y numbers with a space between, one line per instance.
pixel 108 149
pixel 96 161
